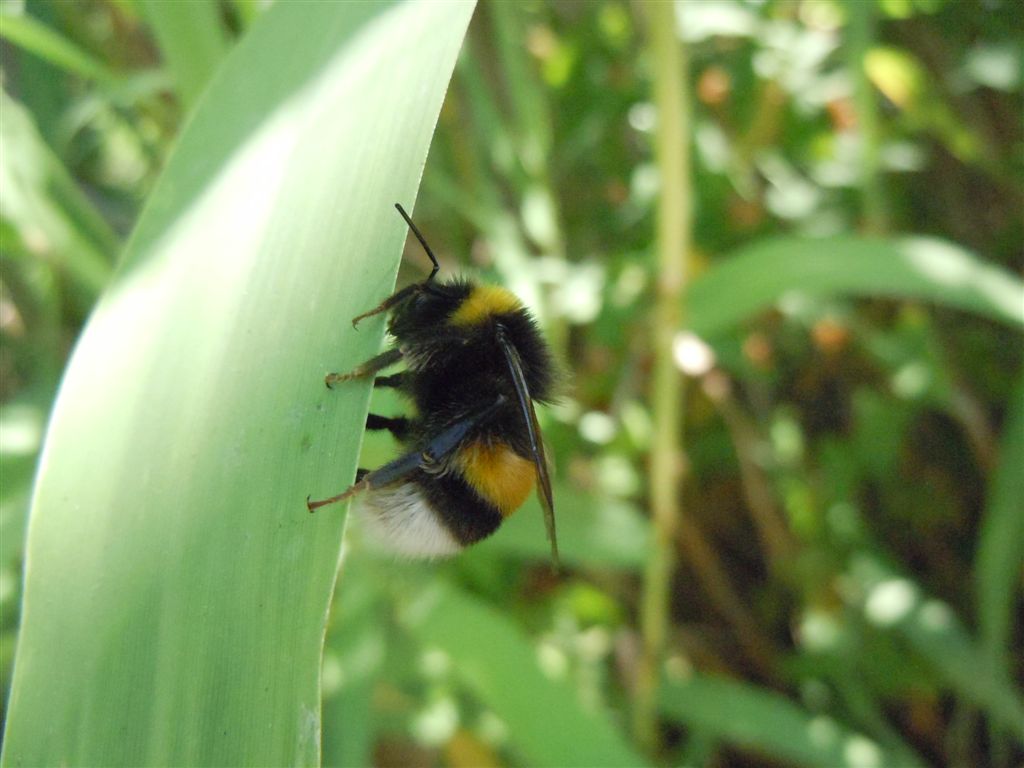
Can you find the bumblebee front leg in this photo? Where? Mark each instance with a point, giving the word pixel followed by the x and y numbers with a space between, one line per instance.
pixel 399 296
pixel 369 368
pixel 396 298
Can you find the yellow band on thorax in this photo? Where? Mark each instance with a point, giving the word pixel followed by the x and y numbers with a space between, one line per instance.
pixel 483 302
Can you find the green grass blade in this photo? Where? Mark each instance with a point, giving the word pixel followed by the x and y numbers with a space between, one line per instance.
pixel 191 39
pixel 919 268
pixel 175 586
pixel 771 725
pixel 546 721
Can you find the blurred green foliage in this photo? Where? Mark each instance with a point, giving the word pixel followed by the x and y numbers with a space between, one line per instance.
pixel 852 526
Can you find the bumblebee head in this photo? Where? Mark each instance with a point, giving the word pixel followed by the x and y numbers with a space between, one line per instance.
pixel 429 304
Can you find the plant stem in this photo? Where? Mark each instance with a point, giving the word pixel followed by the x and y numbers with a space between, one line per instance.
pixel 861 36
pixel 673 244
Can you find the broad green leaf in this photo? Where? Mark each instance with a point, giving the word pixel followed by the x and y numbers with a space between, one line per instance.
pixel 191 40
pixel 769 724
pixel 176 588
pixel 547 723
pixel 919 268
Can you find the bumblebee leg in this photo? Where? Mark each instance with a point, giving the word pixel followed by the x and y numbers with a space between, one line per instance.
pixel 398 426
pixel 370 367
pixel 435 450
pixel 361 473
pixel 399 296
pixel 393 382
pixel 391 472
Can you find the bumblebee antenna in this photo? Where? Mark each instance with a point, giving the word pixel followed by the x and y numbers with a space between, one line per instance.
pixel 423 241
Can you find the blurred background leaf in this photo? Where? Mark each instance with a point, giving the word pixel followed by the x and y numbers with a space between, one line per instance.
pixel 191 39
pixel 791 270
pixel 771 725
pixel 495 662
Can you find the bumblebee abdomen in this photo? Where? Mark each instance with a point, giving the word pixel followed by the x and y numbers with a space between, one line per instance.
pixel 402 519
pixel 467 515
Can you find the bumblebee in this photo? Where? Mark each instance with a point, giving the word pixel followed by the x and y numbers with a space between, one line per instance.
pixel 475 364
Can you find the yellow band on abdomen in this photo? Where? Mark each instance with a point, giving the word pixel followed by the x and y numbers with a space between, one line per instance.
pixel 498 474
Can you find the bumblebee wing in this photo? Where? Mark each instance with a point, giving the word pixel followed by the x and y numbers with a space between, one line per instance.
pixel 540 461
pixel 445 442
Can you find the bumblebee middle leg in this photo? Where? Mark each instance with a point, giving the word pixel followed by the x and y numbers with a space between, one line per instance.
pixel 392 382
pixel 398 426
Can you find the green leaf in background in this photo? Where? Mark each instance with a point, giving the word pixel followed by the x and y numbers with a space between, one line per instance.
pixel 547 723
pixel 37 38
pixel 895 603
pixel 597 531
pixel 917 268
pixel 1001 544
pixel 354 657
pixel 769 724
pixel 175 587
pixel 191 40
pixel 42 203
pixel 21 432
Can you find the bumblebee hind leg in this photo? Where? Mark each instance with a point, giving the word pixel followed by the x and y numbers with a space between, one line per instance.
pixel 399 469
pixel 391 472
